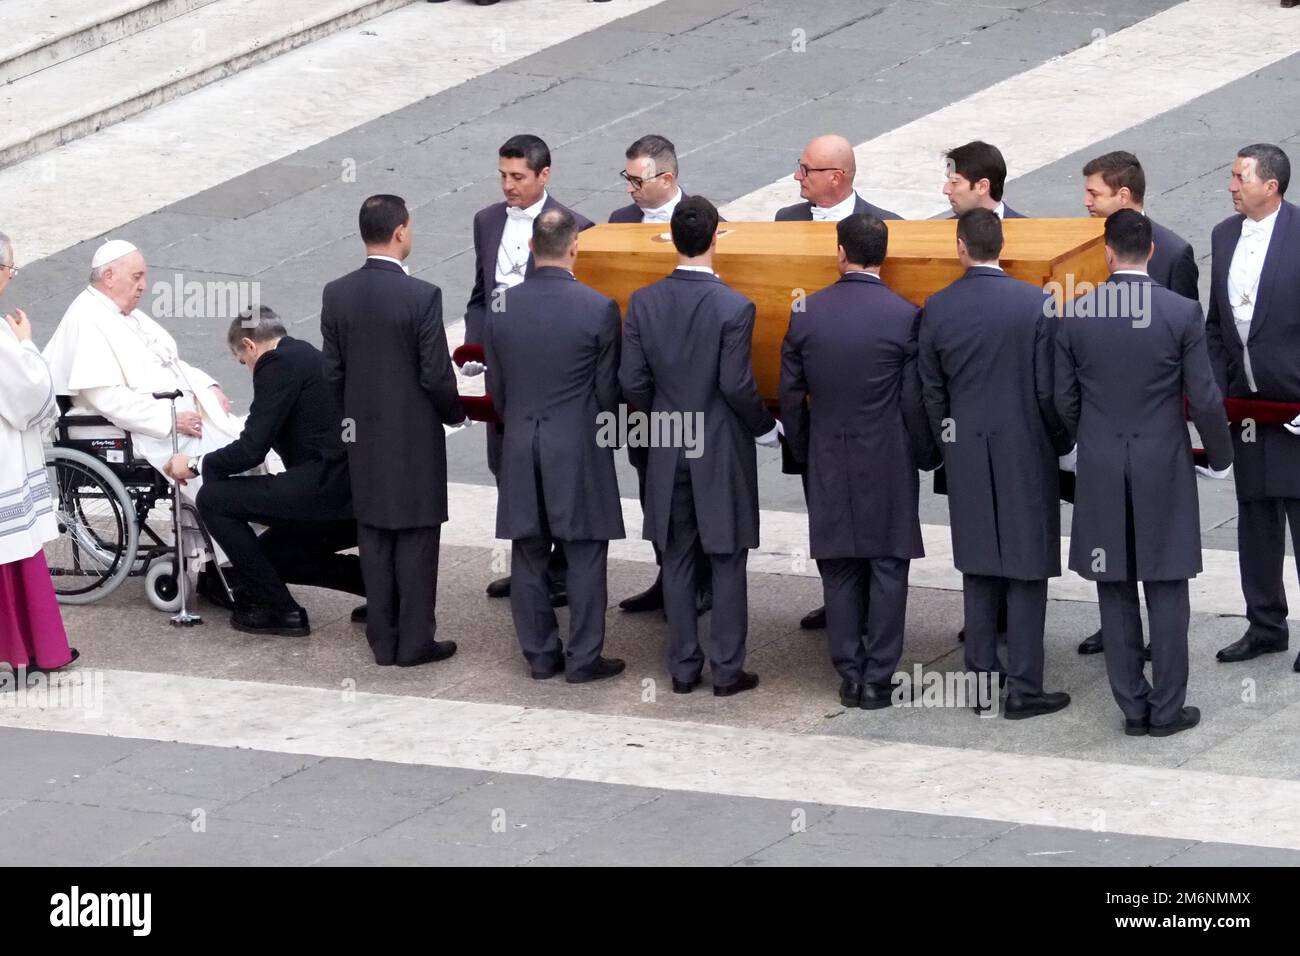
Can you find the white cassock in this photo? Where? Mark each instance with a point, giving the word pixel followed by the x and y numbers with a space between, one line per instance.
pixel 111 364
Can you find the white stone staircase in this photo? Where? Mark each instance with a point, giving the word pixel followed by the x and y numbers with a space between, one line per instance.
pixel 70 67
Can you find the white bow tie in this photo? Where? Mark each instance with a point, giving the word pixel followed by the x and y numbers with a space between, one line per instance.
pixel 820 215
pixel 656 215
pixel 1251 229
pixel 514 212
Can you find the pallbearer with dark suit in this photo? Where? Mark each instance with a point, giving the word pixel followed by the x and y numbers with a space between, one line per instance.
pixel 976 176
pixel 1124 362
pixel 986 370
pixel 851 407
pixel 552 370
pixel 502 259
pixel 1115 181
pixel 825 174
pixel 651 177
pixel 1253 332
pixel 686 359
pixel 386 361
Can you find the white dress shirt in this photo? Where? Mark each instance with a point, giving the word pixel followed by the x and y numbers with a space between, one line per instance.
pixel 398 262
pixel 662 213
pixel 841 210
pixel 1243 279
pixel 512 255
pixel 1001 209
pixel 697 269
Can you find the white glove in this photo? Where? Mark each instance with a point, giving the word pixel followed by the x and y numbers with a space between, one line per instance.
pixel 771 439
pixel 471 369
pixel 1293 426
pixel 1070 460
pixel 1206 472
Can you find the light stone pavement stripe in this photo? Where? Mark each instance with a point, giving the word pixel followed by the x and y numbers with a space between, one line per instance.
pixel 1054 109
pixel 1047 791
pixel 783 549
pixel 294 101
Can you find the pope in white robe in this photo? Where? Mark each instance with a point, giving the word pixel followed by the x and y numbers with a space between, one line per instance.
pixel 110 357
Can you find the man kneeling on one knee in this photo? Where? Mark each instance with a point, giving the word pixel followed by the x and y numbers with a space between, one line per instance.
pixel 307 509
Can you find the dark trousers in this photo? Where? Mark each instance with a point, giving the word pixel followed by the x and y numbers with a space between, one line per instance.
pixel 1169 609
pixel 293 549
pixel 401 572
pixel 1026 604
pixel 730 618
pixel 530 599
pixel 557 565
pixel 1261 546
pixel 870 589
pixel 639 457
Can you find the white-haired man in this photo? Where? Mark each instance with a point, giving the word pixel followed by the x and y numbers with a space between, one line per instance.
pixel 111 358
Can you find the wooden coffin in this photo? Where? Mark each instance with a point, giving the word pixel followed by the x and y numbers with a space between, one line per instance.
pixel 772 263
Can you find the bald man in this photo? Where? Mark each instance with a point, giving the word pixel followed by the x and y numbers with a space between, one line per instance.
pixel 825 176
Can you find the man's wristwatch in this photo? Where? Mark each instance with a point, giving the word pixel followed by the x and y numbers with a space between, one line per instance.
pixel 193 465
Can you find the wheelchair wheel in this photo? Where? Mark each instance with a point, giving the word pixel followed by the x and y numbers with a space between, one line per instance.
pixel 98 537
pixel 162 589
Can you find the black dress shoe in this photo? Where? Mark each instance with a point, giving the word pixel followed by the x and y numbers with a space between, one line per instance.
pixel 439 651
pixel 1190 717
pixel 850 693
pixel 500 588
pixel 1146 652
pixel 359 614
pixel 546 673
pixel 1136 728
pixel 1248 648
pixel 814 620
pixel 1018 706
pixel 961 635
pixel 265 620
pixel 604 667
pixel 1091 644
pixel 876 696
pixel 685 686
pixel 651 599
pixel 746 681
pixel 1296 666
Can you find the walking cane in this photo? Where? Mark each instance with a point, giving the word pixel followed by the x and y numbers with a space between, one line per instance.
pixel 183 618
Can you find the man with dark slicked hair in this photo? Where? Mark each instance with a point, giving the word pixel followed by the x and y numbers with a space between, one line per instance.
pixel 502 259
pixel 986 371
pixel 977 174
pixel 687 354
pixel 387 364
pixel 1128 356
pixel 851 406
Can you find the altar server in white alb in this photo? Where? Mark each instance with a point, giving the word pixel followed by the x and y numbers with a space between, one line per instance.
pixel 111 357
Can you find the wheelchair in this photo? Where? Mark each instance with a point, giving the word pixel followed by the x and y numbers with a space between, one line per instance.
pixel 117 518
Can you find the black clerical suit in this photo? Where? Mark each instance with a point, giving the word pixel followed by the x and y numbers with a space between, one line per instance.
pixel 307 509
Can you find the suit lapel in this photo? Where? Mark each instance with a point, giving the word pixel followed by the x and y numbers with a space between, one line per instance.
pixel 496 227
pixel 1272 259
pixel 1220 261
